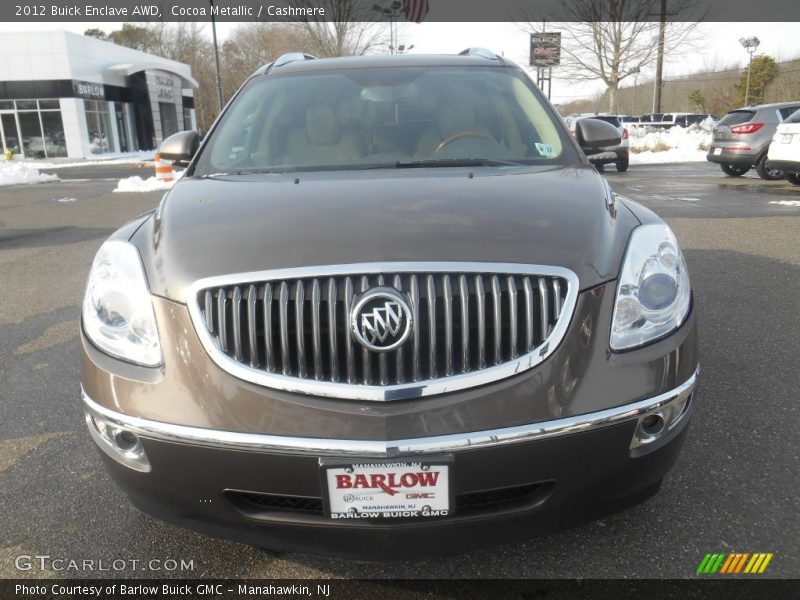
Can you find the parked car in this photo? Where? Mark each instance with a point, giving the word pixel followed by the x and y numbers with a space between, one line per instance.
pixel 652 118
pixel 618 154
pixel 741 139
pixel 687 120
pixel 407 317
pixel 784 150
pixel 629 119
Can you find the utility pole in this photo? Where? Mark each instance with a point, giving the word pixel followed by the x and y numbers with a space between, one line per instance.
pixel 216 56
pixel 662 28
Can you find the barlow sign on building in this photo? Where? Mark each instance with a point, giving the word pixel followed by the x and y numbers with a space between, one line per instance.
pixel 545 49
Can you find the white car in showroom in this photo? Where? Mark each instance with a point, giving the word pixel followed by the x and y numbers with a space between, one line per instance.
pixel 784 150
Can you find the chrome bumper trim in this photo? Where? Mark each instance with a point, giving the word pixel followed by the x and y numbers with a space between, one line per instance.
pixel 385 449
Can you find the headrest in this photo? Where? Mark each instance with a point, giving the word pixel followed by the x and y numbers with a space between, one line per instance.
pixel 321 125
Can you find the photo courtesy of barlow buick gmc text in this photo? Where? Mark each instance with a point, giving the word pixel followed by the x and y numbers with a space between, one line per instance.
pixel 399 299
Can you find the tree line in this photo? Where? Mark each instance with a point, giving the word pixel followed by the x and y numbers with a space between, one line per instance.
pixel 250 46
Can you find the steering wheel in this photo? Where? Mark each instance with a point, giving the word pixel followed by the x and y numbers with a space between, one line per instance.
pixel 458 136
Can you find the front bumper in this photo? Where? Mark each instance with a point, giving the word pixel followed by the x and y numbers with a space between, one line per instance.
pixel 526 480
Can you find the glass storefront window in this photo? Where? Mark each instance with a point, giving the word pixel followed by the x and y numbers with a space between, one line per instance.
pixel 10 133
pixel 98 124
pixel 53 128
pixel 35 129
pixel 31 130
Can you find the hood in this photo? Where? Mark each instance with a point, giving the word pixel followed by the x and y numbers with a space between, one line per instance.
pixel 210 227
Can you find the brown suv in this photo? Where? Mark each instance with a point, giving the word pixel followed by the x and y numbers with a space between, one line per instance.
pixel 390 309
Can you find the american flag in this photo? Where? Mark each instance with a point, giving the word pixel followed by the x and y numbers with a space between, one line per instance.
pixel 415 10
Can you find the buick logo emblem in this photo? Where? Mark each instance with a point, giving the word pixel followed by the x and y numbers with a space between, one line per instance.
pixel 381 319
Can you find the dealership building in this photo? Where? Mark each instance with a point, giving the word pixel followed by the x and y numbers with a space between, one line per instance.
pixel 68 95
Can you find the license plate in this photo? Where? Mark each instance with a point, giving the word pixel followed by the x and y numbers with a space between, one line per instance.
pixel 717 151
pixel 387 490
pixel 786 139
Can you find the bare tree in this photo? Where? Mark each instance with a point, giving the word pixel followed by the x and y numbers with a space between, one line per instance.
pixel 252 45
pixel 345 30
pixel 611 40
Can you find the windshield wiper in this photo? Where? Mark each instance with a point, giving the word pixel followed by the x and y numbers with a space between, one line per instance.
pixel 456 162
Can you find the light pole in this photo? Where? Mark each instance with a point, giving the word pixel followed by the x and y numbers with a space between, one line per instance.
pixel 216 56
pixel 750 44
pixel 393 11
pixel 635 71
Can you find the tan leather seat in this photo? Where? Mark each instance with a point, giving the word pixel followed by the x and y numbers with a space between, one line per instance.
pixel 322 141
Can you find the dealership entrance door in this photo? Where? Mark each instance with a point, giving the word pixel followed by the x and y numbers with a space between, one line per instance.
pixel 9 132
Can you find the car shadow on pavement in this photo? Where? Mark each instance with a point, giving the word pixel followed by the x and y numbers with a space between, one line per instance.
pixel 51 236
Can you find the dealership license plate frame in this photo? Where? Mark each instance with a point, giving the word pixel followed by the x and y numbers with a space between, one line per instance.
pixel 445 461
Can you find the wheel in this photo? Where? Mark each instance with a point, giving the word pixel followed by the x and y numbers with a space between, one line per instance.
pixel 793 178
pixel 765 173
pixel 733 170
pixel 622 165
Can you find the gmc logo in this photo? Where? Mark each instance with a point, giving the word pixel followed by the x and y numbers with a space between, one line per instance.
pixel 388 483
pixel 420 496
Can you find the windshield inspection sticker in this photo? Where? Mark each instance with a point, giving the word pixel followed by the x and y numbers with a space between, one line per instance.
pixel 545 149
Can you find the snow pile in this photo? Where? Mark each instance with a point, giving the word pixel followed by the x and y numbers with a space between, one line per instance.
pixel 14 173
pixel 151 184
pixel 119 158
pixel 677 144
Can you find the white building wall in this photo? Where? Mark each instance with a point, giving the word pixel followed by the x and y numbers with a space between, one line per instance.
pixel 75 133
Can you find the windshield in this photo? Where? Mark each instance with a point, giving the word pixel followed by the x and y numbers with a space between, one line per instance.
pixel 373 117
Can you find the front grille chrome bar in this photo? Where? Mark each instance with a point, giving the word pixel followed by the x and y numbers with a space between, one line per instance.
pixel 473 323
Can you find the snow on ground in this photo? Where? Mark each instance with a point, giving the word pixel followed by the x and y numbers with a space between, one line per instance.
pixel 118 158
pixel 151 184
pixel 650 145
pixel 786 202
pixel 14 173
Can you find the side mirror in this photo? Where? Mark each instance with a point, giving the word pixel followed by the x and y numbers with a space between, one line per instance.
pixel 594 134
pixel 180 147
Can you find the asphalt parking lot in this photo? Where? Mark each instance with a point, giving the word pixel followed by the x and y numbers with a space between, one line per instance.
pixel 734 488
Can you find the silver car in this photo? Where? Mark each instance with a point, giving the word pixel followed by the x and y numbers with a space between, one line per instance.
pixel 741 139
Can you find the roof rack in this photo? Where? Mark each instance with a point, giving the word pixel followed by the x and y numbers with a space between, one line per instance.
pixel 482 52
pixel 284 59
pixel 290 57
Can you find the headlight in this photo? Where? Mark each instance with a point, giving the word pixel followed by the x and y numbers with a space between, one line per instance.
pixel 118 312
pixel 654 293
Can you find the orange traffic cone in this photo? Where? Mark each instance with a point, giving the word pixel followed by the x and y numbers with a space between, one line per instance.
pixel 163 169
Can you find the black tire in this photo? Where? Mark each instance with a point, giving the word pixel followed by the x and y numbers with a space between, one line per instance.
pixel 793 178
pixel 622 165
pixel 765 173
pixel 733 170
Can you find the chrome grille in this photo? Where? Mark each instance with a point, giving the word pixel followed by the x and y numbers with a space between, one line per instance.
pixel 290 329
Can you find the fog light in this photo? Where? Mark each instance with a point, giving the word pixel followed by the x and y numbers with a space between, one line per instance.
pixel 122 445
pixel 660 420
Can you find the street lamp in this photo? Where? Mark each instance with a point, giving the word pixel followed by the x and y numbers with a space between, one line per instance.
pixel 750 44
pixel 635 71
pixel 393 11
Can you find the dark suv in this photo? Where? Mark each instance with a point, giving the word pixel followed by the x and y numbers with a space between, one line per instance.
pixel 390 309
pixel 741 139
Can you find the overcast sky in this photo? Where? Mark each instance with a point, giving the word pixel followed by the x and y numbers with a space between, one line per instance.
pixel 718 46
